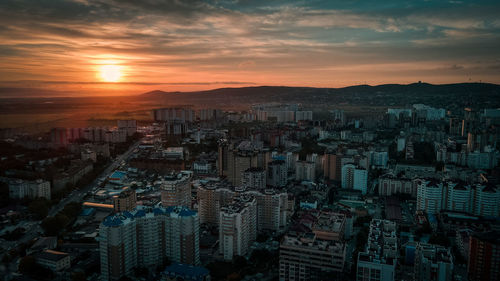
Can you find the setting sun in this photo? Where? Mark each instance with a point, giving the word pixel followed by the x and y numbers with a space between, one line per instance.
pixel 111 73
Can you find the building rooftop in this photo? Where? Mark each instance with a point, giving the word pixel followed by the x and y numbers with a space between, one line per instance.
pixel 143 211
pixel 51 255
pixel 44 242
pixel 239 203
pixel 434 253
pixel 382 245
pixel 308 240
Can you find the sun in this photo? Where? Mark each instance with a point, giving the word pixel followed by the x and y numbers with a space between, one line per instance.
pixel 111 73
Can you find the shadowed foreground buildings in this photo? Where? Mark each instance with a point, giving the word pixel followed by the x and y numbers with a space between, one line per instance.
pixel 238 226
pixel 305 257
pixel 484 256
pixel 378 261
pixel 146 237
pixel 433 262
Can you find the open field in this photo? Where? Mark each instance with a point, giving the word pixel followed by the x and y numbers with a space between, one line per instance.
pixel 40 115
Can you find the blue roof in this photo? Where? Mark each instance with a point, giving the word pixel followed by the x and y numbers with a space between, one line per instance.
pixel 127 214
pixel 118 174
pixel 140 213
pixel 117 219
pixel 185 212
pixel 186 271
pixel 157 211
pixel 432 218
pixel 112 221
pixel 87 212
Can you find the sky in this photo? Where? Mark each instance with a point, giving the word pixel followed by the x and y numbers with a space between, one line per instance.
pixel 129 46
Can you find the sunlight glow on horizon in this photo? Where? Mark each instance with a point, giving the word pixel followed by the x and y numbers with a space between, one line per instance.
pixel 110 72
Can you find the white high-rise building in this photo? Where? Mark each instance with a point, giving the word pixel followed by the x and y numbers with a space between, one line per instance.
pixel 486 200
pixel 355 178
pixel 19 189
pixel 182 115
pixel 146 236
pixel 129 126
pixel 303 115
pixel 338 117
pixel 478 199
pixel 237 226
pixel 379 159
pixel 430 196
pixel 277 173
pixel 254 177
pixel 433 263
pixel 305 170
pixel 304 256
pixel 209 114
pixel 378 261
pixel 401 144
pixel 273 206
pixel 176 189
pixel 272 209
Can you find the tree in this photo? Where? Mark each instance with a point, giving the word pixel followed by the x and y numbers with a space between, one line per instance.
pixel 4 194
pixel 233 277
pixel 39 208
pixel 439 239
pixel 72 210
pixel 27 264
pixel 239 262
pixel 6 258
pixel 361 238
pixel 53 225
pixel 78 276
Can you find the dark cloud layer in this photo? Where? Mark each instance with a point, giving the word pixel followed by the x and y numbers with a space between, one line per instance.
pixel 312 43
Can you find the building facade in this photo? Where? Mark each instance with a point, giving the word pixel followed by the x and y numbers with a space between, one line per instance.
pixel 237 226
pixel 145 237
pixel 176 189
pixel 484 256
pixel 433 263
pixel 305 257
pixel 378 260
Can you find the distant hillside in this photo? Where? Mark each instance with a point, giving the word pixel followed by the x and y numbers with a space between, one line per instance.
pixel 450 96
pixel 30 93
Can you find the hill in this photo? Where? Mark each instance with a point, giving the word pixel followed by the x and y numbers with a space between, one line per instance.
pixel 451 96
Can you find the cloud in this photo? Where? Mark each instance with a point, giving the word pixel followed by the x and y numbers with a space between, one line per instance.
pixel 174 41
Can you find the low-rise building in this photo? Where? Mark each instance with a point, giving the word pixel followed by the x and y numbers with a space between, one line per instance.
pixel 305 257
pixel 53 260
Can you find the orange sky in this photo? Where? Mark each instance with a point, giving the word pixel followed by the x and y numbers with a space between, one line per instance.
pixel 168 45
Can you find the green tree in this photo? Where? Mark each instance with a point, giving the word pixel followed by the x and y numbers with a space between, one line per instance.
pixel 27 264
pixel 39 207
pixel 72 210
pixel 439 239
pixel 54 225
pixel 78 276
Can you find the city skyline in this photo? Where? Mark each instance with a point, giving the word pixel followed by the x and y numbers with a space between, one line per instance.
pixel 239 140
pixel 128 47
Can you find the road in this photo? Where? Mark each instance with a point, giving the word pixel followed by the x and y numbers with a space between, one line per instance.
pixel 78 194
pixel 34 229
